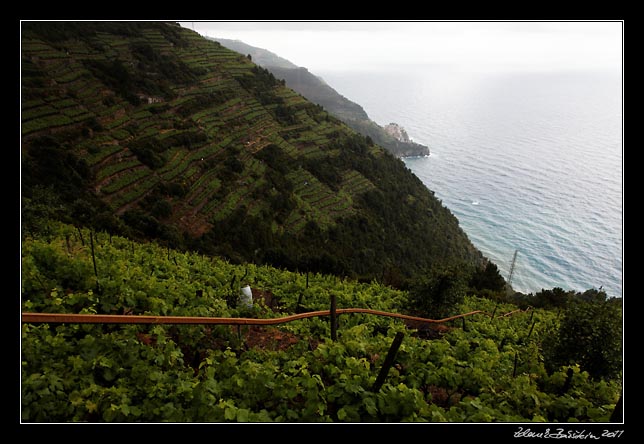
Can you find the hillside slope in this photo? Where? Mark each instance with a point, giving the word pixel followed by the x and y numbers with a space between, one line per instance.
pixel 262 57
pixel 151 130
pixel 318 91
pixel 466 371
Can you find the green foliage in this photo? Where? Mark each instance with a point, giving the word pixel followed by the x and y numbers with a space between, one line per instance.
pixel 352 114
pixel 276 158
pixel 491 371
pixel 487 278
pixel 149 152
pixel 51 163
pixel 438 294
pixel 590 334
pixel 149 130
pixel 39 208
pixel 117 110
pixel 116 76
pixel 546 298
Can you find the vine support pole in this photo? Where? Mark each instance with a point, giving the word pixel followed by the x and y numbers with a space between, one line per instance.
pixel 514 371
pixel 531 328
pixel 80 234
pixel 334 326
pixel 389 361
pixel 91 243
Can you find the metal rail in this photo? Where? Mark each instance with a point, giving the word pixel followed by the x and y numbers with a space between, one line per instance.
pixel 63 318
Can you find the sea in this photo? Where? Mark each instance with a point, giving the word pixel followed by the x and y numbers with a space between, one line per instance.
pixel 531 163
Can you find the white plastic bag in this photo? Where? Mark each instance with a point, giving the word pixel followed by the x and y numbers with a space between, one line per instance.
pixel 246 297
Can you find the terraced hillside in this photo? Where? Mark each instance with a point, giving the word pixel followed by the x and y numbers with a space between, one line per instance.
pixel 315 89
pixel 151 130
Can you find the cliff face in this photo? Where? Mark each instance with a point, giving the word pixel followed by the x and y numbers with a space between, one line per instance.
pixel 318 91
pixel 315 89
pixel 397 132
pixel 260 56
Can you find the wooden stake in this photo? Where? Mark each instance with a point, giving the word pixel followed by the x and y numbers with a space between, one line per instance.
pixel 530 332
pixel 80 234
pixel 514 372
pixel 389 361
pixel 334 333
pixel 91 243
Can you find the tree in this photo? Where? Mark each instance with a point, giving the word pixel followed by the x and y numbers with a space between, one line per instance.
pixel 590 334
pixel 40 208
pixel 437 294
pixel 554 298
pixel 487 278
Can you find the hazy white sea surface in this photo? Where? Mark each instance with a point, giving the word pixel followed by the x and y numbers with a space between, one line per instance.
pixel 527 161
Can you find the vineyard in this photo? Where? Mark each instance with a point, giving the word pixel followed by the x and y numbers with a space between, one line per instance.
pixel 487 366
pixel 173 135
pixel 150 131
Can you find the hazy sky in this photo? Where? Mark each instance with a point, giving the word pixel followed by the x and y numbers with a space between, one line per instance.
pixel 330 46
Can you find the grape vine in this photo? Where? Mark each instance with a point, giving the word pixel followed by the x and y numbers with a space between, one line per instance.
pixel 491 371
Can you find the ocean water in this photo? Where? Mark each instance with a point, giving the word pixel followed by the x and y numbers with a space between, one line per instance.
pixel 528 162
